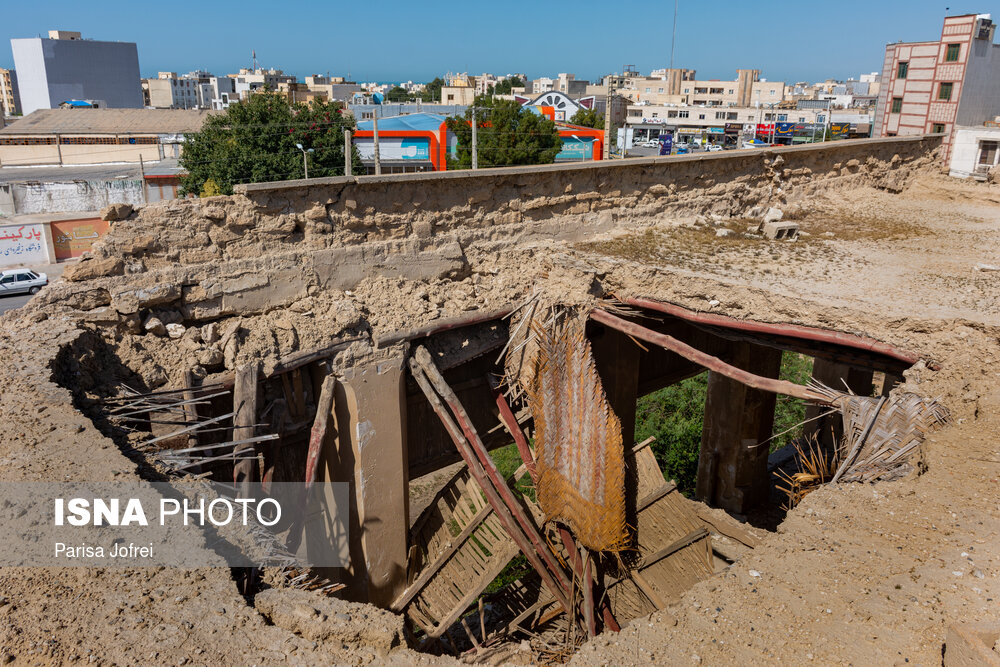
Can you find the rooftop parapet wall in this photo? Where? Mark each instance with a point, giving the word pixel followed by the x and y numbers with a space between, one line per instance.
pixel 270 244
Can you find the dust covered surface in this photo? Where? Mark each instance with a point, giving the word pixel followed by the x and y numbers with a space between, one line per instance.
pixel 862 574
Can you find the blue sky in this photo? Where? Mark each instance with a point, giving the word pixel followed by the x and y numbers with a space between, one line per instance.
pixel 390 40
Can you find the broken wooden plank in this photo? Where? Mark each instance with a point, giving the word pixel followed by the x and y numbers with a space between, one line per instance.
pixel 245 406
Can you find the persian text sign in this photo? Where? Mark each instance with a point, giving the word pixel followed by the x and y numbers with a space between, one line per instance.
pixel 22 244
pixel 72 238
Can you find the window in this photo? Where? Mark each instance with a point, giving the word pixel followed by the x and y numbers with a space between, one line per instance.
pixel 24 276
pixel 687 90
pixel 732 115
pixel 648 90
pixel 938 128
pixel 901 69
pixel 671 114
pixel 655 114
pixel 730 91
pixel 772 92
pixel 944 92
pixel 821 118
pixel 6 280
pixel 951 54
pixel 802 119
pixel 682 114
pixel 659 90
pixel 782 116
pixel 701 116
pixel 988 152
pixel 769 116
pixel 897 104
pixel 720 115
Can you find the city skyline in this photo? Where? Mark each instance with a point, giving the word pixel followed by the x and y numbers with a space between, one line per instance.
pixel 406 41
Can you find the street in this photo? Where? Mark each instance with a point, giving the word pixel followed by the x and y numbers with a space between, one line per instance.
pixel 12 302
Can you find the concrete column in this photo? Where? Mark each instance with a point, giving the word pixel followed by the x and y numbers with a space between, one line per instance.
pixel 732 467
pixel 830 429
pixel 369 452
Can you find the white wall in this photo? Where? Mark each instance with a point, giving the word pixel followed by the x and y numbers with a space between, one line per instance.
pixel 75 196
pixel 23 245
pixel 965 148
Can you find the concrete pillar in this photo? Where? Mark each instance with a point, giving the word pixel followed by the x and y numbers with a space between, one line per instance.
pixel 830 429
pixel 369 452
pixel 732 467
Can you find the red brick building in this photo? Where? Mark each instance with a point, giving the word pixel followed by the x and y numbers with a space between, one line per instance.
pixel 930 87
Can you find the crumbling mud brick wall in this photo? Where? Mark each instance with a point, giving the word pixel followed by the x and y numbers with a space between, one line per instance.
pixel 269 246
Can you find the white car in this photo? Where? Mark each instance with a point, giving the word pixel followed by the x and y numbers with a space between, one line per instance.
pixel 713 147
pixel 21 281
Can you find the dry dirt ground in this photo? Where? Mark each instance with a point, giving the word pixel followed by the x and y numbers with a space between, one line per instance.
pixel 856 574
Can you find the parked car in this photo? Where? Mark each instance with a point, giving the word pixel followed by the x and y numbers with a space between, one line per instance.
pixel 21 281
pixel 713 147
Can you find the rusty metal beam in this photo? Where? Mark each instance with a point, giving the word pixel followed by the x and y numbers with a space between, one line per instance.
pixel 707 360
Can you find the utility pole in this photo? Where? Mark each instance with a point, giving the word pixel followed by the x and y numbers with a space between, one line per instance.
pixel 347 153
pixel 475 140
pixel 672 40
pixel 606 153
pixel 378 165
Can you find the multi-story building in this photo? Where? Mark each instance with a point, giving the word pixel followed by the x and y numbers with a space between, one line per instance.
pixel 936 85
pixel 249 81
pixel 679 86
pixel 168 91
pixel 8 92
pixel 458 89
pixel 726 125
pixel 67 67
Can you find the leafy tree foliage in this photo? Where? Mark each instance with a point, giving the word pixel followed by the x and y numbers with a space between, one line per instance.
pixel 254 141
pixel 674 416
pixel 432 90
pixel 588 118
pixel 504 87
pixel 397 94
pixel 509 134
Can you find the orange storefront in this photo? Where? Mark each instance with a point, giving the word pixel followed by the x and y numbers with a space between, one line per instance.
pixel 72 238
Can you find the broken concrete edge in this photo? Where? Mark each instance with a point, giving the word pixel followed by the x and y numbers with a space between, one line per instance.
pixel 968 644
pixel 257 188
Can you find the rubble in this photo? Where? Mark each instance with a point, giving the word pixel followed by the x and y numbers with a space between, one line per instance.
pixel 266 276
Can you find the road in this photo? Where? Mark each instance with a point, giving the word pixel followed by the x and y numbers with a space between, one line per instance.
pixel 12 302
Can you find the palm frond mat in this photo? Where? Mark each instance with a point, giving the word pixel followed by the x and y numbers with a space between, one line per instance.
pixel 880 433
pixel 578 439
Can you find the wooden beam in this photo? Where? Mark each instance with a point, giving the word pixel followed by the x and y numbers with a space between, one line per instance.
pixel 245 407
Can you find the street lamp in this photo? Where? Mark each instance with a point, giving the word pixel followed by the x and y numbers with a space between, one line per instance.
pixel 305 158
pixel 586 142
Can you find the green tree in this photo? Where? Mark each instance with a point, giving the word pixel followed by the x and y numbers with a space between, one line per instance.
pixel 397 94
pixel 588 118
pixel 504 86
pixel 255 141
pixel 674 416
pixel 509 134
pixel 432 90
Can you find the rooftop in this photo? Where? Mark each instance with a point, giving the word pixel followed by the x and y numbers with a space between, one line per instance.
pixel 426 122
pixel 109 121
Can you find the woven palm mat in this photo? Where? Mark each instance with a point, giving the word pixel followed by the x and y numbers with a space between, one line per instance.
pixel 880 434
pixel 578 439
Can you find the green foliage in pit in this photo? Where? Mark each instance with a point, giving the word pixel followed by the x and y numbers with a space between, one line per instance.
pixel 674 416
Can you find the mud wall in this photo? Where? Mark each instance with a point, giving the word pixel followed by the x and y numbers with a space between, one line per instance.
pixel 271 244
